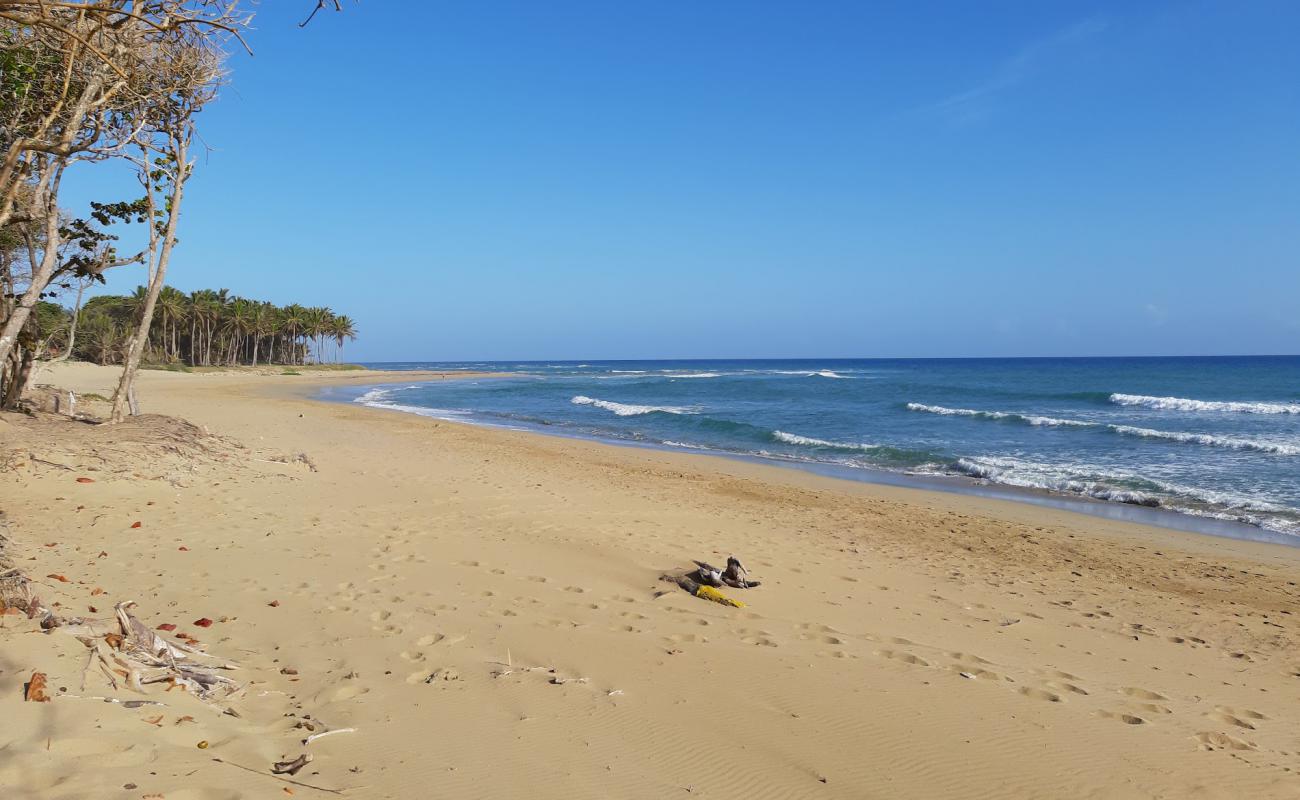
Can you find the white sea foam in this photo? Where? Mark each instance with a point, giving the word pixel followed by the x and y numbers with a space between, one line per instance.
pixel 628 409
pixel 1277 448
pixel 1101 483
pixel 373 396
pixel 693 375
pixel 628 371
pixel 1185 404
pixel 825 373
pixel 808 441
pixel 1208 440
pixel 1030 419
pixel 377 398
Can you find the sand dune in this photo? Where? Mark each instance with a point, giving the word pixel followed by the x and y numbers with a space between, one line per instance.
pixel 484 608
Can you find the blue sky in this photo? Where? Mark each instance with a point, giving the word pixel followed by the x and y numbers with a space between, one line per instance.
pixel 685 179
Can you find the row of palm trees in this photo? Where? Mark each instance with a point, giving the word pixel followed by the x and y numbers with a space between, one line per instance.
pixel 210 328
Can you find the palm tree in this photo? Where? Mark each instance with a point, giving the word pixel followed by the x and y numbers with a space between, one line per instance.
pixel 262 323
pixel 170 310
pixel 293 320
pixel 342 329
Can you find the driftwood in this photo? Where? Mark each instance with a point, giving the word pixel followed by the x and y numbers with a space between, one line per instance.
pixel 291 767
pixel 277 777
pixel 316 736
pixel 734 575
pixel 128 652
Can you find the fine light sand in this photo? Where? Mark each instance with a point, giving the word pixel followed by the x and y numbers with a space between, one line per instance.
pixel 484 608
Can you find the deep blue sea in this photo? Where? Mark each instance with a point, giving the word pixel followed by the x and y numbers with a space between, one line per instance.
pixel 1213 438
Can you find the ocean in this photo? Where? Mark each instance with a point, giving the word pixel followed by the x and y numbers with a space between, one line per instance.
pixel 1214 440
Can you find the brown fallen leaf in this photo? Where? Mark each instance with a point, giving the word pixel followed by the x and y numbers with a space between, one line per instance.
pixel 166 626
pixel 85 480
pixel 135 524
pixel 155 721
pixel 51 544
pixel 34 691
pixel 92 609
pixel 114 640
pixel 274 604
pixel 57 577
pixel 288 671
pixel 96 592
pixel 102 554
pixel 186 718
pixel 183 549
pixel 203 622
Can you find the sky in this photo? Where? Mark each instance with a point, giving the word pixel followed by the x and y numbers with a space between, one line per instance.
pixel 753 178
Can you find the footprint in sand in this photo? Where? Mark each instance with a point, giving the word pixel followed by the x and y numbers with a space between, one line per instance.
pixel 1142 694
pixel 1211 740
pixel 1040 694
pixel 905 657
pixel 1225 714
pixel 688 638
pixel 347 693
pixel 1067 687
pixel 1127 719
pixel 1155 708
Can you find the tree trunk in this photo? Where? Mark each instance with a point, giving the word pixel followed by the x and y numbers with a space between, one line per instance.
pixel 41 273
pixel 72 327
pixel 125 387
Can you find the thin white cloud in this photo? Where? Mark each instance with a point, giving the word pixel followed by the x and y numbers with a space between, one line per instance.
pixel 1014 70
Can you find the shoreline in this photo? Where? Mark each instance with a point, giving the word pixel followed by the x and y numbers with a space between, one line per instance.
pixel 465 597
pixel 1113 510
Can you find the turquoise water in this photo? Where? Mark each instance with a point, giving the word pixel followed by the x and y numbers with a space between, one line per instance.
pixel 1217 439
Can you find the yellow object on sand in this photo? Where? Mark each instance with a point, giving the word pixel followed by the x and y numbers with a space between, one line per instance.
pixel 709 593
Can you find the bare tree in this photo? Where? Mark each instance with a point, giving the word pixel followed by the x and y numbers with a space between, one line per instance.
pixel 188 72
pixel 92 78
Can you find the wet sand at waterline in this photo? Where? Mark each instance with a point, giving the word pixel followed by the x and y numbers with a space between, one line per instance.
pixel 484 608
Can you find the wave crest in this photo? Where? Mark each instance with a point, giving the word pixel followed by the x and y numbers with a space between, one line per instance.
pixel 808 441
pixel 1187 404
pixel 1028 419
pixel 628 409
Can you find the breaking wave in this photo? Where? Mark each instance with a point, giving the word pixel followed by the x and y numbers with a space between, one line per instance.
pixel 628 409
pixel 1126 487
pixel 1185 404
pixel 1205 439
pixel 1208 440
pixel 1028 419
pixel 808 441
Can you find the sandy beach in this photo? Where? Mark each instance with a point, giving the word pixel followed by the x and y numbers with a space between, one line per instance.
pixel 484 609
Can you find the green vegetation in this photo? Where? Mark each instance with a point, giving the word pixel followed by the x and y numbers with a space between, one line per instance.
pixel 205 328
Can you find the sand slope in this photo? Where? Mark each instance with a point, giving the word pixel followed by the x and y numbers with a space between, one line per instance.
pixel 484 608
